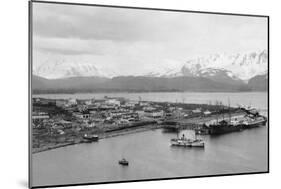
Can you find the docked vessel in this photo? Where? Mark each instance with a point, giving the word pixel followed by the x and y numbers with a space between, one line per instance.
pixel 253 118
pixel 251 122
pixel 202 130
pixel 170 126
pixel 123 162
pixel 223 127
pixel 185 142
pixel 90 138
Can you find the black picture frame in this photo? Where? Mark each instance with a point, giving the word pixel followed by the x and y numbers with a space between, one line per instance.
pixel 30 61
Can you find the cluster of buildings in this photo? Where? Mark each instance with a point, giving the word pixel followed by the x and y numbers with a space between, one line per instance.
pixel 103 113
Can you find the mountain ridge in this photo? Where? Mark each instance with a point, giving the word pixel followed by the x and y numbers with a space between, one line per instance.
pixel 142 84
pixel 237 67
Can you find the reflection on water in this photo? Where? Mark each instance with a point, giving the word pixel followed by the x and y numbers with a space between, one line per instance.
pixel 151 156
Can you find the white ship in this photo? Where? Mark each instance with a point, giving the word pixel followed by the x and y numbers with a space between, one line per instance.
pixel 185 142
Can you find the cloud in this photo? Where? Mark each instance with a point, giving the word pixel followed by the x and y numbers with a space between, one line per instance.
pixel 70 46
pixel 129 25
pixel 91 23
pixel 131 40
pixel 64 51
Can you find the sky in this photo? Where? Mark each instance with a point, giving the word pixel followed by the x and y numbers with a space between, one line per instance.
pixel 131 41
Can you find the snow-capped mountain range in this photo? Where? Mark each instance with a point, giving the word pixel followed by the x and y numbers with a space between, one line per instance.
pixel 66 69
pixel 223 66
pixel 240 66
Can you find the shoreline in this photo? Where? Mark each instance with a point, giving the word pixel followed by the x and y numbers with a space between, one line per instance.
pixel 111 134
pixel 189 124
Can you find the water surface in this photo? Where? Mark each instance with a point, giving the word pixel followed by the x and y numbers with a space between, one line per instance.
pixel 150 154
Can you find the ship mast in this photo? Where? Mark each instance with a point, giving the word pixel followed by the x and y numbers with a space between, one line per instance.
pixel 217 104
pixel 229 112
pixel 221 105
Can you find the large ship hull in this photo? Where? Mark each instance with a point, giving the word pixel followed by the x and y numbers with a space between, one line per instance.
pixel 170 128
pixel 222 129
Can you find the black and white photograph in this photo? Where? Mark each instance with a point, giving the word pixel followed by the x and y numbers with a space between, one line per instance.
pixel 122 94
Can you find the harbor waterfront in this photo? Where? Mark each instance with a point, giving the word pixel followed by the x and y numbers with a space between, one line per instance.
pixel 151 156
pixel 150 153
pixel 257 99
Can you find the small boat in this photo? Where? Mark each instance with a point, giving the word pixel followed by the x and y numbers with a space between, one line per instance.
pixel 123 162
pixel 90 137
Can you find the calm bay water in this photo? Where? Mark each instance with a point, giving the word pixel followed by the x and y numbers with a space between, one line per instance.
pixel 150 154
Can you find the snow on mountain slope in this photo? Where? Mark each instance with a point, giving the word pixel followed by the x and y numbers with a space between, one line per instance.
pixel 165 72
pixel 218 67
pixel 243 66
pixel 65 68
